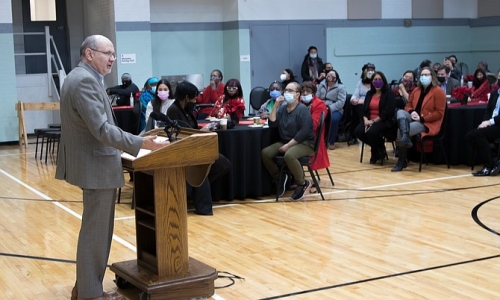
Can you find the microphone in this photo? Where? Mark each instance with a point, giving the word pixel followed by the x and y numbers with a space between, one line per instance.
pixel 164 118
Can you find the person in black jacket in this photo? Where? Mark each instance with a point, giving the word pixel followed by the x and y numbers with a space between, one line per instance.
pixel 182 112
pixel 124 90
pixel 378 116
pixel 487 131
pixel 312 65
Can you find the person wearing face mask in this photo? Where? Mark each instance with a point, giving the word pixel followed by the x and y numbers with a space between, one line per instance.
pixel 316 107
pixel 404 89
pixel 211 93
pixel 358 97
pixel 266 108
pixel 182 111
pixel 445 82
pixel 162 100
pixel 286 77
pixel 327 67
pixel 124 90
pixel 422 114
pixel 332 91
pixel 480 87
pixel 231 104
pixel 378 116
pixel 148 93
pixel 312 65
pixel 295 127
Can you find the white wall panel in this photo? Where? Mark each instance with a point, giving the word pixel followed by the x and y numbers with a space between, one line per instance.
pixel 460 9
pixel 396 9
pixel 292 9
pixel 132 10
pixel 5 11
pixel 188 11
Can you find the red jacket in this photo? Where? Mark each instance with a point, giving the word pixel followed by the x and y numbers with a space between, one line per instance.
pixel 432 108
pixel 481 93
pixel 316 107
pixel 210 96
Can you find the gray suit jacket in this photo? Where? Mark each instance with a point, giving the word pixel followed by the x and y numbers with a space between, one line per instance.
pixel 88 151
pixel 451 84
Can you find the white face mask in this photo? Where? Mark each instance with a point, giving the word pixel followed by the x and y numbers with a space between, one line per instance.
pixel 369 74
pixel 307 98
pixel 283 77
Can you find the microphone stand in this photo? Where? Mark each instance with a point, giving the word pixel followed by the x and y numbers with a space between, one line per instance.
pixel 170 130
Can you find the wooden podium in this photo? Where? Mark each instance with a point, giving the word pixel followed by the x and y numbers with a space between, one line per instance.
pixel 163 268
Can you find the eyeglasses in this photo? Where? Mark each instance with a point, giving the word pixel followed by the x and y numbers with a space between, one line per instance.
pixel 275 89
pixel 232 88
pixel 107 53
pixel 290 91
pixel 425 75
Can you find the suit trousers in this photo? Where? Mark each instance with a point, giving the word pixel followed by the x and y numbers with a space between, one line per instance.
pixel 479 139
pixel 291 159
pixel 94 241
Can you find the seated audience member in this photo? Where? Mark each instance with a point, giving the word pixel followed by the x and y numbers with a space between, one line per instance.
pixel 312 65
pixel 423 64
pixel 124 90
pixel 422 114
pixel 454 72
pixel 403 90
pixel 358 98
pixel 231 104
pixel 483 66
pixel 446 83
pixel 295 128
pixel 453 59
pixel 266 108
pixel 332 91
pixel 480 87
pixel 378 116
pixel 286 77
pixel 211 93
pixel 316 106
pixel 436 66
pixel 486 132
pixel 148 93
pixel 327 67
pixel 162 100
pixel 182 112
pixel 496 85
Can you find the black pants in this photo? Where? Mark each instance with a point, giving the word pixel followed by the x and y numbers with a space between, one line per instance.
pixel 202 197
pixel 375 135
pixel 356 118
pixel 479 139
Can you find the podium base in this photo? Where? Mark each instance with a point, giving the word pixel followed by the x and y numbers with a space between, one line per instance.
pixel 198 282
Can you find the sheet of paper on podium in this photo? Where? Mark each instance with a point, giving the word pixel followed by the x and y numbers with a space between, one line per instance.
pixel 143 152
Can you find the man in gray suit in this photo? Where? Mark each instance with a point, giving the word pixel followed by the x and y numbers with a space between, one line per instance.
pixel 446 82
pixel 89 157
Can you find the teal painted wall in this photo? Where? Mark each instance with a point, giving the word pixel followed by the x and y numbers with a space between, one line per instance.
pixel 138 43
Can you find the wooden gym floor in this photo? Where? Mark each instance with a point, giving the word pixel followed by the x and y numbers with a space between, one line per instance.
pixel 378 235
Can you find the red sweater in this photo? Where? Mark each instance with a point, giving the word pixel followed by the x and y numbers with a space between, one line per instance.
pixel 210 96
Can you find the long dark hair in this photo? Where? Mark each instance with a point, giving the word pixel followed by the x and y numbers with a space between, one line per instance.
pixel 384 79
pixel 156 102
pixel 476 82
pixel 233 83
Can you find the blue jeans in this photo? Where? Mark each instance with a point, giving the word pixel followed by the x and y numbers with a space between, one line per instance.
pixel 334 127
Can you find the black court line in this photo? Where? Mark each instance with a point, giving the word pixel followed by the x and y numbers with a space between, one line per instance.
pixel 380 278
pixel 476 218
pixel 66 261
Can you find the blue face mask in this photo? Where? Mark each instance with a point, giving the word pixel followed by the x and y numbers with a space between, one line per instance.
pixel 275 94
pixel 307 98
pixel 289 98
pixel 425 80
pixel 313 55
pixel 153 89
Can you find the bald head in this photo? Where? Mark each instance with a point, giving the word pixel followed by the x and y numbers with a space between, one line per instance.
pixel 93 42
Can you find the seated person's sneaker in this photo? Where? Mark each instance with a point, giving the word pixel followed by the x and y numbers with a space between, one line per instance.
pixel 300 190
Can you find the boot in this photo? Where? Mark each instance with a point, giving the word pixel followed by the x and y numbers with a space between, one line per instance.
pixel 404 129
pixel 402 163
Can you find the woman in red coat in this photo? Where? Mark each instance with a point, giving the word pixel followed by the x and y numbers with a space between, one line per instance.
pixel 423 114
pixel 480 87
pixel 316 107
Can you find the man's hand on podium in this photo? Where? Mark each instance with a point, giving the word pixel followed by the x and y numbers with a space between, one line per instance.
pixel 150 143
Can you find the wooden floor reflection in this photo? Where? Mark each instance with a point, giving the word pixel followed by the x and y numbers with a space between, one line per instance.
pixel 378 235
